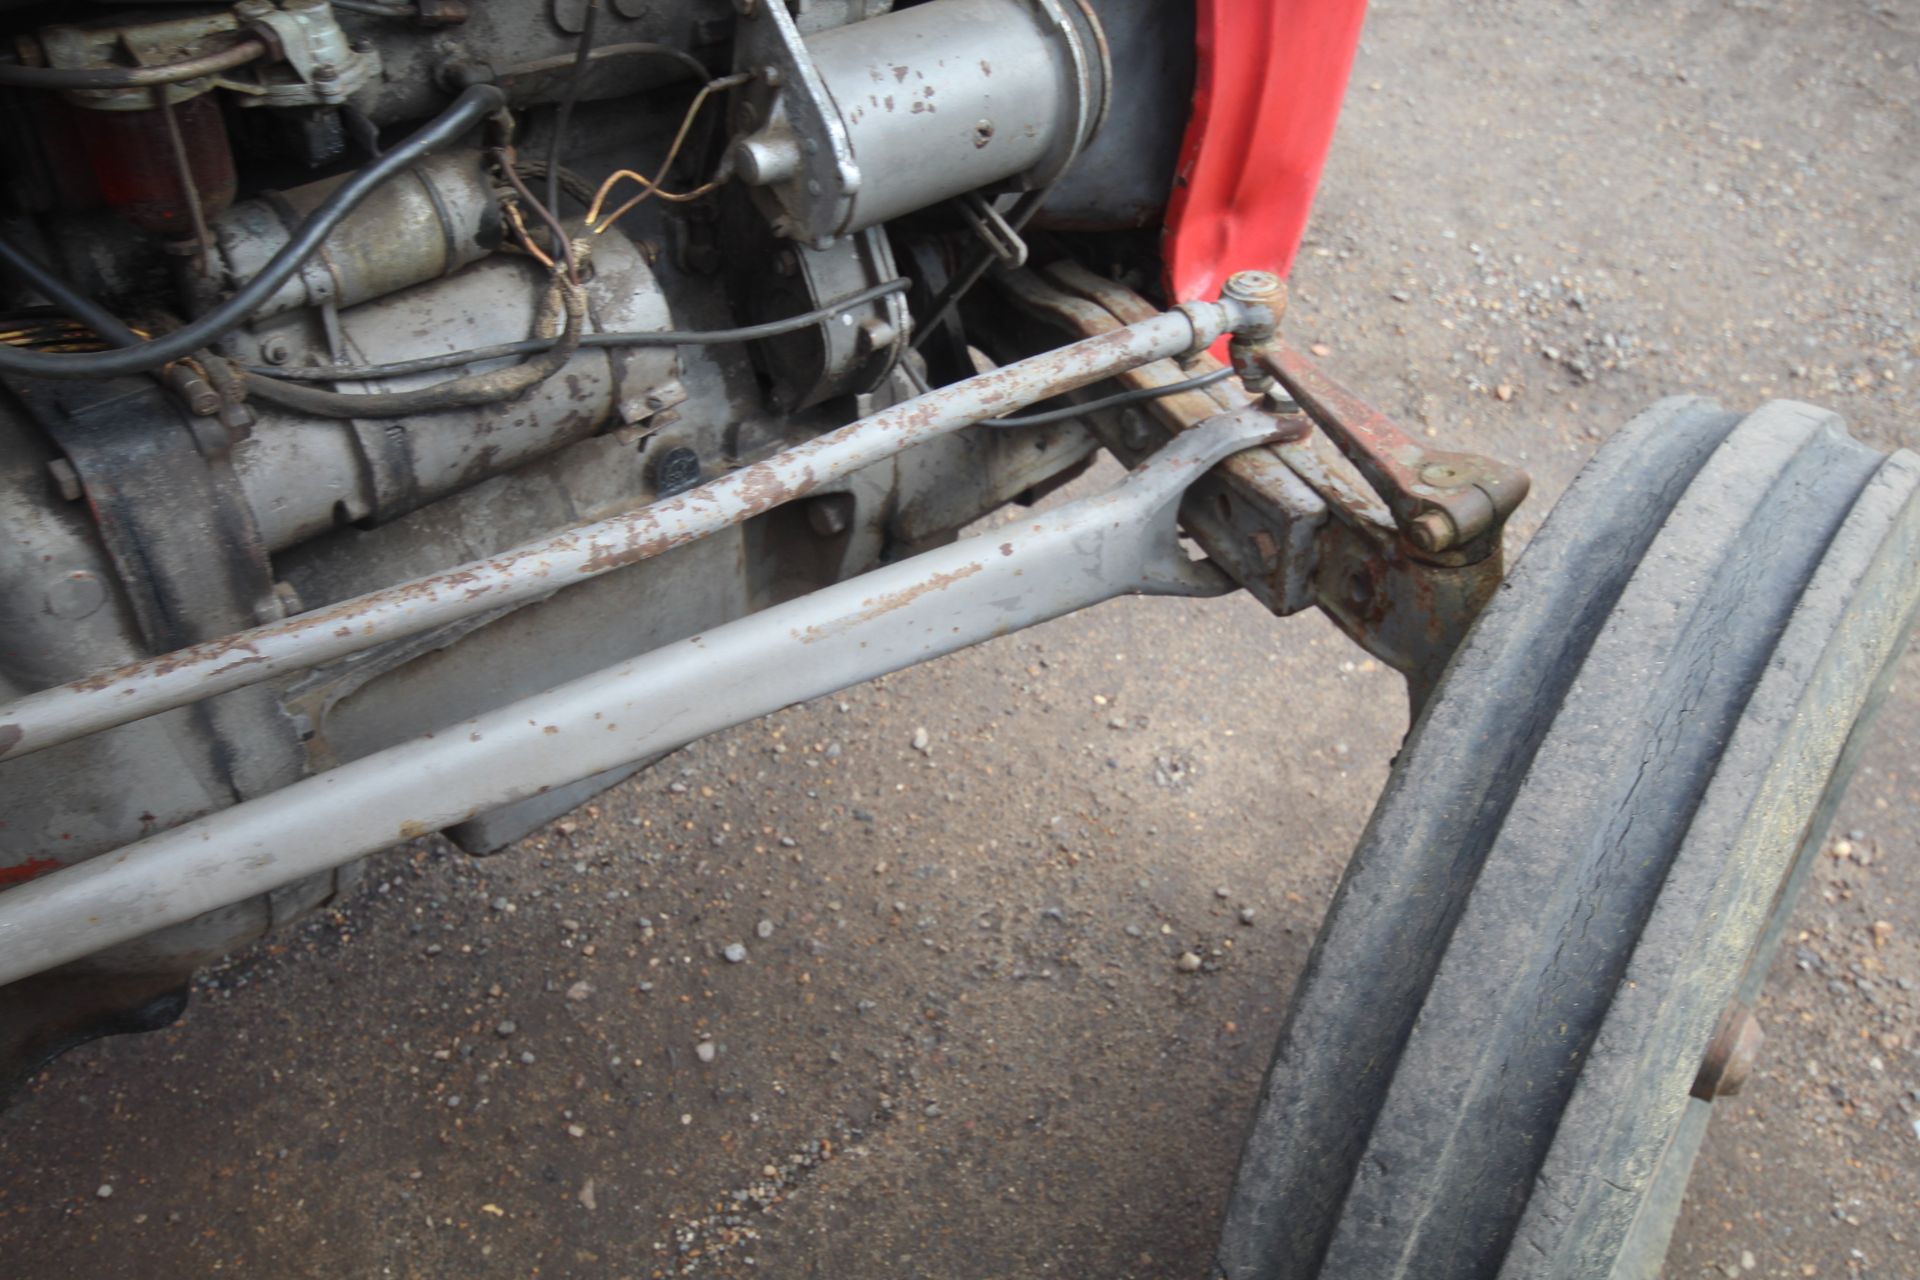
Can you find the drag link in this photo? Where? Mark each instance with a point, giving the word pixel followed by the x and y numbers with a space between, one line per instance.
pixel 132 692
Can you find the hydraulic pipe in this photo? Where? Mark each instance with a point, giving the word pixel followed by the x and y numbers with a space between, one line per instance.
pixel 234 55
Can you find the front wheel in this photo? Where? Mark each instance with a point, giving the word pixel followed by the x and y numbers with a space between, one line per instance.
pixel 1568 888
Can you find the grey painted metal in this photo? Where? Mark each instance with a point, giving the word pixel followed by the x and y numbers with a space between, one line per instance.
pixel 438 216
pixel 583 551
pixel 865 122
pixel 850 353
pixel 1037 568
pixel 304 476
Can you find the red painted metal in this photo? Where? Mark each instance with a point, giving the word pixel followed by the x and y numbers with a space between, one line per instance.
pixel 1267 91
pixel 27 870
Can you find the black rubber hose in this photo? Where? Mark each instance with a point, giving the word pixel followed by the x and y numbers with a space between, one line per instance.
pixel 662 338
pixel 67 298
pixel 473 105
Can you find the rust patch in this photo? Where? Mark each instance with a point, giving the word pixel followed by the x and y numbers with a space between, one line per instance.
pixel 25 871
pixel 236 664
pixel 636 549
pixel 1006 548
pixel 412 829
pixel 880 606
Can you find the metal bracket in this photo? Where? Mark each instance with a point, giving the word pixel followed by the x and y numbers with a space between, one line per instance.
pixel 1290 528
pixel 794 126
pixel 994 231
pixel 1451 506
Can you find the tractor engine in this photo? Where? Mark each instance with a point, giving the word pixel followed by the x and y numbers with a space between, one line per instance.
pixel 577 256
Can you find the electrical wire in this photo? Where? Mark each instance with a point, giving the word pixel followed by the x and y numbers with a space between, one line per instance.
pixel 563 243
pixel 651 186
pixel 983 257
pixel 1041 419
pixel 606 52
pixel 473 104
pixel 568 96
pixel 571 183
pixel 65 297
pixel 662 338
pixel 206 64
pixel 52 332
pixel 465 392
pixel 377 9
pixel 523 237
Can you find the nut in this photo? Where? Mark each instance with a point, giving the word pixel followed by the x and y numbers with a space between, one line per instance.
pixel 1431 531
pixel 66 481
pixel 1254 286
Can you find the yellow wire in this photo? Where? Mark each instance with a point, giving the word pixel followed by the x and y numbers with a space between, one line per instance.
pixel 526 241
pixel 651 186
pixel 54 334
pixel 619 213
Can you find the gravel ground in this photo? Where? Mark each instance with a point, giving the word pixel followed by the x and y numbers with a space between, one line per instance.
pixel 904 982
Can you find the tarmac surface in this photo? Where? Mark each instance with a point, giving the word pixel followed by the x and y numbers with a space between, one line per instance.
pixel 958 1040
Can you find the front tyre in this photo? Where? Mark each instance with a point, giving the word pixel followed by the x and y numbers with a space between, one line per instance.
pixel 1485 1071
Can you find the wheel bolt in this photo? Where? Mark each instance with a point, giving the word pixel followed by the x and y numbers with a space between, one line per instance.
pixel 1730 1058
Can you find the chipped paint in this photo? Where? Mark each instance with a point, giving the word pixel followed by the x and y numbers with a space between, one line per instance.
pixel 22 872
pixel 176 679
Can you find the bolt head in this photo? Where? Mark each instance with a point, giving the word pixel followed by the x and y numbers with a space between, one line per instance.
pixel 830 514
pixel 76 595
pixel 66 481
